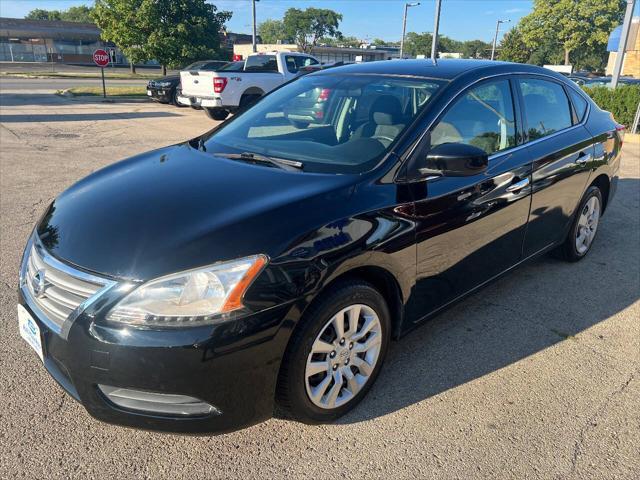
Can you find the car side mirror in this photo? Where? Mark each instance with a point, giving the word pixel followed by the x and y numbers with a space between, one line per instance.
pixel 455 160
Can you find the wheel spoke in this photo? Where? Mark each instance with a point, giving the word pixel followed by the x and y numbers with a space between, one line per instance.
pixel 371 342
pixel 320 346
pixel 335 389
pixel 354 315
pixel 363 366
pixel 352 382
pixel 318 391
pixel 314 368
pixel 369 323
pixel 338 324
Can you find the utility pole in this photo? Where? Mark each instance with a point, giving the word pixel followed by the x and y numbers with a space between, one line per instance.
pixel 622 46
pixel 404 25
pixel 436 27
pixel 495 37
pixel 253 33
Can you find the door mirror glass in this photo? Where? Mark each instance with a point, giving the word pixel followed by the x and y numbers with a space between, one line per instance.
pixel 455 160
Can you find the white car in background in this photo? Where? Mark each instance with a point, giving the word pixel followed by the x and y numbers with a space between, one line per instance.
pixel 220 93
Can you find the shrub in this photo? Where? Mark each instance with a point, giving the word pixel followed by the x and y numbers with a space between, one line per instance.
pixel 622 102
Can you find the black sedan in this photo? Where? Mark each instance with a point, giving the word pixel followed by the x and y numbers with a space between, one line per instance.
pixel 193 287
pixel 167 89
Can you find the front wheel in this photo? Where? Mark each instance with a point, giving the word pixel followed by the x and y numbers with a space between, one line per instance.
pixel 584 228
pixel 336 353
pixel 216 113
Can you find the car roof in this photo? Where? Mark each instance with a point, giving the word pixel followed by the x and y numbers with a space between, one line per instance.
pixel 446 69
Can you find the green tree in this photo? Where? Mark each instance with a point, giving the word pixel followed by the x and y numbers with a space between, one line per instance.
pixel 513 48
pixel 417 44
pixel 352 42
pixel 272 31
pixel 80 13
pixel 475 49
pixel 171 32
pixel 307 27
pixel 575 25
pixel 41 14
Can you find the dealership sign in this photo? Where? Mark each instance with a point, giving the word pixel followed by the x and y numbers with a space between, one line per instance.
pixel 101 58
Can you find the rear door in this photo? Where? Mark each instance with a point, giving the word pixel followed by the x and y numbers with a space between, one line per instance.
pixel 562 152
pixel 470 229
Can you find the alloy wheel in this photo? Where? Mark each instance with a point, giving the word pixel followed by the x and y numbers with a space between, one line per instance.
pixel 343 356
pixel 587 225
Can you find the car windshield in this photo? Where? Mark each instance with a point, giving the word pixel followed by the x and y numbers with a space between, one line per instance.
pixel 330 123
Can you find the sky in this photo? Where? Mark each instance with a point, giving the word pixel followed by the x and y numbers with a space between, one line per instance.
pixel 365 19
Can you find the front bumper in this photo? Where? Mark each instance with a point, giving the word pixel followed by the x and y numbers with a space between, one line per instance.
pixel 232 366
pixel 160 94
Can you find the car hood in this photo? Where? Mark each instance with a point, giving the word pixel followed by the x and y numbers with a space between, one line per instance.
pixel 168 78
pixel 178 208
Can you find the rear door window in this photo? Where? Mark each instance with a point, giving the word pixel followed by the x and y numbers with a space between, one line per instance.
pixel 261 63
pixel 546 107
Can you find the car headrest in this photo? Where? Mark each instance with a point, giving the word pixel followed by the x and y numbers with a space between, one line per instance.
pixel 386 110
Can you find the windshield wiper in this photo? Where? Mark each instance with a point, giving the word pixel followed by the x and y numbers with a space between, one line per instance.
pixel 290 165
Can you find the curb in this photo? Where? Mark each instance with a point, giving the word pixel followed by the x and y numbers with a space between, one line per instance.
pixel 632 138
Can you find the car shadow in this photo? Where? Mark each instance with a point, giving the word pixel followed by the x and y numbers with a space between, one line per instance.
pixel 540 304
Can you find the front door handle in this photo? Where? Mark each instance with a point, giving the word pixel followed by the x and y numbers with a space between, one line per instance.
pixel 518 185
pixel 583 158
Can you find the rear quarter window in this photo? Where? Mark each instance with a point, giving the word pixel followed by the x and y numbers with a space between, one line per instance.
pixel 261 63
pixel 579 104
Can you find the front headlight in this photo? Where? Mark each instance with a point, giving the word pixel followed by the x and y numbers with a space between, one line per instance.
pixel 194 297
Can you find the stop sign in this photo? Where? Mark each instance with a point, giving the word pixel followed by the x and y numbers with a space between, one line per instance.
pixel 101 58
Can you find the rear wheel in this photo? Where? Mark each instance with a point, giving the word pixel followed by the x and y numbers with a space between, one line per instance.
pixel 584 228
pixel 216 113
pixel 248 99
pixel 336 353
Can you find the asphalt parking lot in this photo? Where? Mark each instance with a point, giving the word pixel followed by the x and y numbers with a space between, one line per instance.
pixel 538 377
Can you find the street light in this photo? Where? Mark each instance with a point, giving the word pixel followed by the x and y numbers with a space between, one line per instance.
pixel 404 25
pixel 495 37
pixel 253 33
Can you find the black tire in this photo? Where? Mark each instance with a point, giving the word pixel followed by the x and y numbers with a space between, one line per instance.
pixel 248 99
pixel 174 98
pixel 216 113
pixel 568 250
pixel 291 392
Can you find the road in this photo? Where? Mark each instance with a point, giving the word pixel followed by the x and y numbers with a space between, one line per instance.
pixel 10 84
pixel 536 377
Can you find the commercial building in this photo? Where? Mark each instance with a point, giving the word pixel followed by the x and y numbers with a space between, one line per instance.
pixel 322 53
pixel 631 63
pixel 48 41
pixel 23 40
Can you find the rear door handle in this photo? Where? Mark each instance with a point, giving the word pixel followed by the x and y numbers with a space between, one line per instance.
pixel 583 158
pixel 518 185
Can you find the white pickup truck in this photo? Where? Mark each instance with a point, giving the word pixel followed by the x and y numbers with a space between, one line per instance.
pixel 220 93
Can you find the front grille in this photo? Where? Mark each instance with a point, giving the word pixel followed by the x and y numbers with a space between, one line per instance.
pixel 57 289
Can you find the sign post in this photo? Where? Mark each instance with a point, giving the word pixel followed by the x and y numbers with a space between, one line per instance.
pixel 101 58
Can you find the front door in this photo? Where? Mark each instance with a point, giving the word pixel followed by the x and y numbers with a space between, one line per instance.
pixel 470 229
